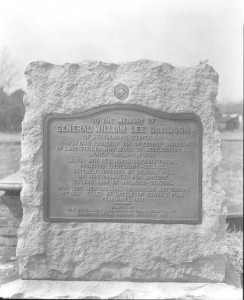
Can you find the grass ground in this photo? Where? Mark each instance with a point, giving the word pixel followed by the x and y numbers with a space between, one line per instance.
pixel 230 173
pixel 9 153
pixel 9 158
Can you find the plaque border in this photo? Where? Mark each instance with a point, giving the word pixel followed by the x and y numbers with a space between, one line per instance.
pixel 110 107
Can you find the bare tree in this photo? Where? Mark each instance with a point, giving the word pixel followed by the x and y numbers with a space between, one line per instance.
pixel 9 72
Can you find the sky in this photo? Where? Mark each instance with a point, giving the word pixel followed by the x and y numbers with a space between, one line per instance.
pixel 179 32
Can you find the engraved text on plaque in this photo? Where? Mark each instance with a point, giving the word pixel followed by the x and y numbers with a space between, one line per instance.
pixel 123 163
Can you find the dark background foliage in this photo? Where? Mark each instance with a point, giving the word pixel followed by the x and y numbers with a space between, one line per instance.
pixel 12 111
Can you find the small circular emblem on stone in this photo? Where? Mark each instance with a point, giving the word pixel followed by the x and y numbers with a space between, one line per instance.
pixel 121 91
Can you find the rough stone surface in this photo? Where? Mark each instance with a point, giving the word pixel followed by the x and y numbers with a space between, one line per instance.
pixel 45 289
pixel 117 251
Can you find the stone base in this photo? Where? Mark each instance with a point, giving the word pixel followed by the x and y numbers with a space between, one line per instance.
pixel 47 289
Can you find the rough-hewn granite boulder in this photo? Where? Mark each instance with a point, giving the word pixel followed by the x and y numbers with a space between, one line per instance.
pixel 117 251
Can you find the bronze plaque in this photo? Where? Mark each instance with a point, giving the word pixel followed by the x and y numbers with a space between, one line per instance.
pixel 123 163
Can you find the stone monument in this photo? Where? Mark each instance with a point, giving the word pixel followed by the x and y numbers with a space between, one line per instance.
pixel 119 167
pixel 119 164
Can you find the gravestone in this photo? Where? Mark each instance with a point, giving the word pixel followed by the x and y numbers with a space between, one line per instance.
pixel 119 167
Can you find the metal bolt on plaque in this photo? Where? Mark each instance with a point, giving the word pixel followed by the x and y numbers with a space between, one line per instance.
pixel 121 91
